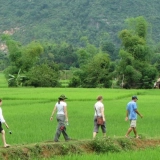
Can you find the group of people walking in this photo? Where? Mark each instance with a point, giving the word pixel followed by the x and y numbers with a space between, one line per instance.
pixel 60 109
pixel 62 117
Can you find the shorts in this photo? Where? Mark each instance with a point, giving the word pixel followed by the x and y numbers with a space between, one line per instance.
pixel 1 129
pixel 96 126
pixel 133 123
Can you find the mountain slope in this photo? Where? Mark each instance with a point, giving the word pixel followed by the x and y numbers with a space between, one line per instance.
pixel 69 20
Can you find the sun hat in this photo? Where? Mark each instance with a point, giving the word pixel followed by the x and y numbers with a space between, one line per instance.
pixel 134 97
pixel 62 97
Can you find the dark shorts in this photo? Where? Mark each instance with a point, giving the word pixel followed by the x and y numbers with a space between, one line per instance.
pixel 1 127
pixel 96 126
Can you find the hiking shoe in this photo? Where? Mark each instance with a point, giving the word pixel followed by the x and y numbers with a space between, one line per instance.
pixel 55 141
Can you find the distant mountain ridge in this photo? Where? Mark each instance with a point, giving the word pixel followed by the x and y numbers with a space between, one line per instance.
pixel 69 20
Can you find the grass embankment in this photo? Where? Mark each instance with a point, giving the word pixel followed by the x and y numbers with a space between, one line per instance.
pixel 49 150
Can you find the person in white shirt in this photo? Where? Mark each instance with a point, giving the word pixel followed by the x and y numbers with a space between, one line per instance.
pixel 2 120
pixel 62 118
pixel 99 111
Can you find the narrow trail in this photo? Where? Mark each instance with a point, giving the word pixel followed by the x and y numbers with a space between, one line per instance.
pixel 49 148
pixel 140 143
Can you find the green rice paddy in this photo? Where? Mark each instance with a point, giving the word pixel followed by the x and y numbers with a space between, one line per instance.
pixel 27 112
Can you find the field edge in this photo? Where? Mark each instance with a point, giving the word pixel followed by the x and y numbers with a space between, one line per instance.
pixel 51 149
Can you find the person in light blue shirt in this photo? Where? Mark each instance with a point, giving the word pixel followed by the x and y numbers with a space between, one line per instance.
pixel 131 114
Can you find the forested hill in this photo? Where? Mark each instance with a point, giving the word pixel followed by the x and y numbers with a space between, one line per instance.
pixel 69 20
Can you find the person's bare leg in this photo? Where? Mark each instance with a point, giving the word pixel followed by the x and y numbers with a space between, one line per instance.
pixel 129 131
pixel 4 139
pixel 94 134
pixel 135 133
pixel 104 135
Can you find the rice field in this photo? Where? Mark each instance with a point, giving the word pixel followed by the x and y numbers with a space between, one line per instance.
pixel 149 154
pixel 27 112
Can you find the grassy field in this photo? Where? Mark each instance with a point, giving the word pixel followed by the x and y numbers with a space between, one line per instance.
pixel 27 112
pixel 149 154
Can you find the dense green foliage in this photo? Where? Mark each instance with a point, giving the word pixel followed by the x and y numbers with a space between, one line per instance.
pixel 135 55
pixel 26 66
pixel 70 20
pixel 93 74
pixel 82 37
pixel 39 64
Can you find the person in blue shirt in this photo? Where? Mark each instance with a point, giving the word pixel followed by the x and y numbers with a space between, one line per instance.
pixel 131 114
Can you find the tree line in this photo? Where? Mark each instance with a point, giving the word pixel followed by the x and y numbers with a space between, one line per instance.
pixel 135 64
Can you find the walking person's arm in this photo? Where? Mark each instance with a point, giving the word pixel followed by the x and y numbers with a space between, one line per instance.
pixel 54 110
pixel 102 113
pixel 138 113
pixel 6 125
pixel 65 113
pixel 126 119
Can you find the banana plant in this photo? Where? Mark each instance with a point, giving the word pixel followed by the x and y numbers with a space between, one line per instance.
pixel 16 78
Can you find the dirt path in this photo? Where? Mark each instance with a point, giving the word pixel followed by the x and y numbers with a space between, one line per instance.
pixel 50 149
pixel 147 143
